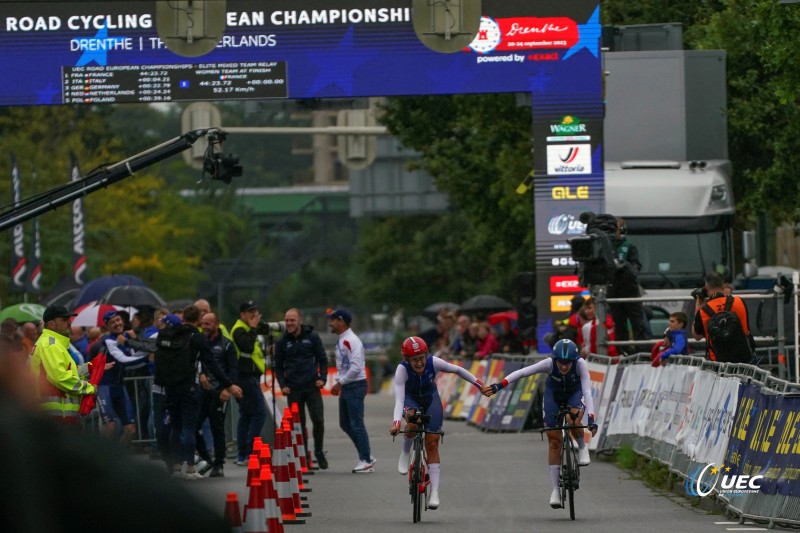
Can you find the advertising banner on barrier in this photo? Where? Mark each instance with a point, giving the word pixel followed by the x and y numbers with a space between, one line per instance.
pixel 621 418
pixel 670 401
pixel 480 408
pixel 448 384
pixel 765 442
pixel 501 407
pixel 469 394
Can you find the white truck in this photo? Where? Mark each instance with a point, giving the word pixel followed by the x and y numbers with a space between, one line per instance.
pixel 680 216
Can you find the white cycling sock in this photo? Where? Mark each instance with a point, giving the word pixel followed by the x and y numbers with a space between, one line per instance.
pixel 407 445
pixel 433 472
pixel 555 473
pixel 581 442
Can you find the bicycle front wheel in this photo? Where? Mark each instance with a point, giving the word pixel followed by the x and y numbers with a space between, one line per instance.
pixel 416 484
pixel 568 465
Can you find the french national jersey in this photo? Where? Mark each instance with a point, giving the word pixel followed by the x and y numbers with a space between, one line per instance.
pixel 350 358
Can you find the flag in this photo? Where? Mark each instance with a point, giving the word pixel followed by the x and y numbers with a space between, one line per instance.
pixel 78 230
pixel 34 281
pixel 18 266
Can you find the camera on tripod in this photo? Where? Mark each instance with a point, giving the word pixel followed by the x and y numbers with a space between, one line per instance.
pixel 594 251
pixel 265 328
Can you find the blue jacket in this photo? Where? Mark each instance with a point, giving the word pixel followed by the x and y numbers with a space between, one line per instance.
pixel 678 343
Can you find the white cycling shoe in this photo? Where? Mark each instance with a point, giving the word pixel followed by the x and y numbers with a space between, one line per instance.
pixel 555 499
pixel 402 463
pixel 583 456
pixel 433 501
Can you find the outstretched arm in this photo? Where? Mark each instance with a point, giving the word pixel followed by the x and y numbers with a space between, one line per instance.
pixel 440 365
pixel 545 365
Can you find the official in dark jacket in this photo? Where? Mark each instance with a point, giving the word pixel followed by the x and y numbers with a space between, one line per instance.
pixel 301 367
pixel 625 284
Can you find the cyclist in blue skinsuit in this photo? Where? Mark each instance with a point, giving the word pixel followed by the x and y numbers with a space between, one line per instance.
pixel 415 387
pixel 568 384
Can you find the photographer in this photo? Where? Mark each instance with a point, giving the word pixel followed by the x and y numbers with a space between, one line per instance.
pixel 250 356
pixel 735 345
pixel 624 284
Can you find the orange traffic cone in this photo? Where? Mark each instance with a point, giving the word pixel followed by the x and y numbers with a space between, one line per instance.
pixel 309 458
pixel 297 431
pixel 253 467
pixel 283 485
pixel 289 428
pixel 291 458
pixel 232 513
pixel 274 520
pixel 255 517
pixel 266 456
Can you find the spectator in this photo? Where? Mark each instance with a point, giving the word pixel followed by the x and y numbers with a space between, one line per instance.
pixel 508 339
pixel 251 364
pixel 727 289
pixel 214 398
pixel 487 342
pixel 204 308
pixel 11 339
pixel 179 349
pixel 587 333
pixel 624 284
pixel 717 302
pixel 30 334
pixel 675 342
pixel 61 383
pixel 351 387
pixel 301 367
pixel 79 340
pixel 113 401
pixel 440 337
pixel 568 328
pixel 464 342
pixel 138 384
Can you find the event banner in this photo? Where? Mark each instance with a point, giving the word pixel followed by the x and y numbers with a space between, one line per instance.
pixel 765 441
pixel 111 52
pixel 480 408
pixel 501 409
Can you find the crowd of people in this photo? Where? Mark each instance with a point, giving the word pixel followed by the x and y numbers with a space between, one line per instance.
pixel 472 336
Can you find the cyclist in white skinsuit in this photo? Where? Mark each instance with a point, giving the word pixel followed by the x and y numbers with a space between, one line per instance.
pixel 415 387
pixel 568 385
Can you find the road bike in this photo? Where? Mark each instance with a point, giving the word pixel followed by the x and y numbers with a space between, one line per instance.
pixel 570 477
pixel 418 480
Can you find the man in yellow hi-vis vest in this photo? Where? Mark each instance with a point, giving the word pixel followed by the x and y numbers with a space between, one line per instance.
pixel 61 383
pixel 252 406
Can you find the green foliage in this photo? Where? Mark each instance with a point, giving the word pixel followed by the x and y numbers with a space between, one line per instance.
pixel 477 147
pixel 138 226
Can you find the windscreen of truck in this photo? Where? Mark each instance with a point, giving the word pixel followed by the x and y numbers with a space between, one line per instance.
pixel 681 260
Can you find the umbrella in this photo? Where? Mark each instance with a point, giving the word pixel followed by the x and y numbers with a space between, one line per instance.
pixel 432 311
pixel 92 313
pixel 98 368
pixel 485 303
pixel 25 312
pixel 504 316
pixel 134 296
pixel 95 289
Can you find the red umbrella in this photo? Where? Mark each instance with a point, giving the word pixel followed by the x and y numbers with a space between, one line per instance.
pixel 505 316
pixel 98 368
pixel 91 314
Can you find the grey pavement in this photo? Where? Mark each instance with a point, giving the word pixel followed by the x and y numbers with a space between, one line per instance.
pixel 490 481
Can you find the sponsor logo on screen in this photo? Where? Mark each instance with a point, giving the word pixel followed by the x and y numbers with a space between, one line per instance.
pixel 561 303
pixel 565 284
pixel 570 193
pixel 569 159
pixel 565 224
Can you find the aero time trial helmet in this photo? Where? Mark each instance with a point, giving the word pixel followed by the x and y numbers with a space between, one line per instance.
pixel 413 346
pixel 565 350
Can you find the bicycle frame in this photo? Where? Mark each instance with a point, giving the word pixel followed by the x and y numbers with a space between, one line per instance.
pixel 570 469
pixel 418 480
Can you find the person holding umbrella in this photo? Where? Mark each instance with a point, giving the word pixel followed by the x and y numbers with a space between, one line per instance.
pixel 61 383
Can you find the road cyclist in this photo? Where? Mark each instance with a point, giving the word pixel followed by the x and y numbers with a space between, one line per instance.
pixel 567 385
pixel 415 388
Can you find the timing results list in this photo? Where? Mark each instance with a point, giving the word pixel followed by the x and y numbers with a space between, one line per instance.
pixel 166 83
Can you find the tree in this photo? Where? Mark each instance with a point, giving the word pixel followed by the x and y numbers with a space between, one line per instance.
pixel 477 147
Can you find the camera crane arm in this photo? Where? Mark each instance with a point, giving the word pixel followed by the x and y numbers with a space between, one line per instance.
pixel 100 178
